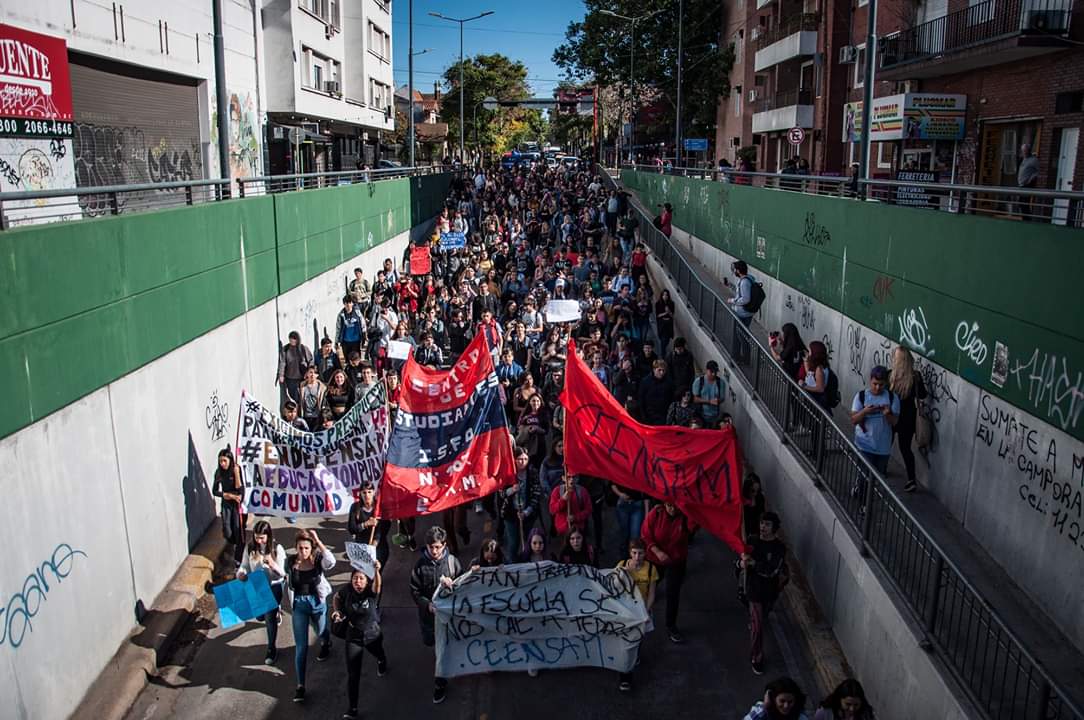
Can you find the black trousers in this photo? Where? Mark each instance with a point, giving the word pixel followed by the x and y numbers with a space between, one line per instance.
pixel 355 652
pixel 906 438
pixel 673 579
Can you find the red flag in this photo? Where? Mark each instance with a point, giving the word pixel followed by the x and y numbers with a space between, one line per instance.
pixel 450 443
pixel 697 470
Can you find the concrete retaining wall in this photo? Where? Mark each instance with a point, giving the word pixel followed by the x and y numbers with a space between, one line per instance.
pixel 107 495
pixel 874 630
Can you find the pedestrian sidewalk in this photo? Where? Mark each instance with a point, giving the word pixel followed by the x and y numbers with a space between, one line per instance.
pixel 1036 632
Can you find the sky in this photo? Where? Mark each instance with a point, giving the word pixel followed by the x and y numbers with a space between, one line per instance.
pixel 524 30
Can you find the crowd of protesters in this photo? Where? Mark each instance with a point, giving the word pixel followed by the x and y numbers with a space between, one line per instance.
pixel 532 235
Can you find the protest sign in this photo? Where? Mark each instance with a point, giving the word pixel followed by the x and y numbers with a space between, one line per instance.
pixel 538 616
pixel 398 350
pixel 241 600
pixel 450 443
pixel 290 472
pixel 420 262
pixel 562 311
pixel 698 470
pixel 362 557
pixel 452 240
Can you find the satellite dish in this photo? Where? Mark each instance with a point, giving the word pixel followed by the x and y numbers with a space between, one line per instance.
pixel 490 103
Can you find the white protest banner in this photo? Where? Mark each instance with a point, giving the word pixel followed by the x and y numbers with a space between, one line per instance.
pixel 398 350
pixel 538 616
pixel 562 311
pixel 289 472
pixel 362 557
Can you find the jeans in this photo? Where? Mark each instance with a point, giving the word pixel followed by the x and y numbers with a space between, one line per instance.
pixel 355 652
pixel 741 345
pixel 308 610
pixel 878 461
pixel 271 619
pixel 630 517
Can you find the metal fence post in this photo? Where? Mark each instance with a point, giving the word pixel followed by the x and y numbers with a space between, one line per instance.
pixel 240 187
pixel 1042 708
pixel 867 515
pixel 114 207
pixel 934 599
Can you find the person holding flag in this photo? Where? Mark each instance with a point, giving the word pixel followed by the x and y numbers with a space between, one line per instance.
pixel 666 532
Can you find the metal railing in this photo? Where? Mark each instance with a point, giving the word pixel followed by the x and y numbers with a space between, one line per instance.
pixel 980 23
pixel 81 203
pixel 797 23
pixel 785 98
pixel 1021 204
pixel 998 672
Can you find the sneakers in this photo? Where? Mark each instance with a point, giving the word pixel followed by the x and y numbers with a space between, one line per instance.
pixel 439 694
pixel 478 509
pixel 625 685
pixel 412 544
pixel 299 694
pixel 325 652
pixel 910 486
pixel 351 714
pixel 272 655
pixel 533 672
pixel 675 636
pixel 381 668
pixel 758 668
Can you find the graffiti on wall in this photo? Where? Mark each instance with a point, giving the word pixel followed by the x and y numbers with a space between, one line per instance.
pixel 856 349
pixel 17 615
pixel 1051 386
pixel 217 415
pixel 33 165
pixel 915 331
pixel 970 343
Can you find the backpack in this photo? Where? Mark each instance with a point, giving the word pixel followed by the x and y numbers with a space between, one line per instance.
pixel 756 297
pixel 657 222
pixel 862 397
pixel 698 387
pixel 831 391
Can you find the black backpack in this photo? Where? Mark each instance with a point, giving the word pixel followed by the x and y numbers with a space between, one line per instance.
pixel 756 297
pixel 831 391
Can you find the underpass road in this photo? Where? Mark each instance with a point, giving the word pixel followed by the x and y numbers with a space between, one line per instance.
pixel 215 673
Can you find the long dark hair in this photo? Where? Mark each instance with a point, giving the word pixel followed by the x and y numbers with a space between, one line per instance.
pixel 262 528
pixel 785 686
pixel 848 688
pixel 792 341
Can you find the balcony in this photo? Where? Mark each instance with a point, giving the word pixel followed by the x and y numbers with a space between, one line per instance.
pixel 782 111
pixel 987 33
pixel 794 38
pixel 764 3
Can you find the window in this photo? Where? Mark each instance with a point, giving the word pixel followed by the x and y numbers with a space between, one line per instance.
pixel 739 46
pixel 317 70
pixel 384 5
pixel 860 66
pixel 325 10
pixel 885 151
pixel 379 95
pixel 379 42
pixel 737 101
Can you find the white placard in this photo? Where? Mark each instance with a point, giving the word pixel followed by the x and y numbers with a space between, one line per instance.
pixel 562 311
pixel 398 350
pixel 362 557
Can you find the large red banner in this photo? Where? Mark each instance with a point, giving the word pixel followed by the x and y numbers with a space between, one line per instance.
pixel 698 470
pixel 35 81
pixel 450 443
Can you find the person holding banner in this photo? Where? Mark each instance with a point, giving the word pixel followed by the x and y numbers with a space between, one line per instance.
pixel 435 567
pixel 646 577
pixel 363 524
pixel 265 554
pixel 570 506
pixel 666 533
pixel 309 589
pixel 489 555
pixel 355 618
pixel 517 506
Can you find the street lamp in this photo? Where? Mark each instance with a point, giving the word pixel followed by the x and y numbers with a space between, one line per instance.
pixel 489 103
pixel 410 83
pixel 632 68
pixel 461 21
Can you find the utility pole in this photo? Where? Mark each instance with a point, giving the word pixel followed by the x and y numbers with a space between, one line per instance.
pixel 220 95
pixel 634 104
pixel 867 96
pixel 677 115
pixel 462 120
pixel 410 78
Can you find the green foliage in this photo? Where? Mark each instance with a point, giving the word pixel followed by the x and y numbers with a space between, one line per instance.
pixel 599 49
pixel 749 153
pixel 487 76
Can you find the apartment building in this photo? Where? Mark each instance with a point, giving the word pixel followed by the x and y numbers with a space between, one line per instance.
pixel 331 111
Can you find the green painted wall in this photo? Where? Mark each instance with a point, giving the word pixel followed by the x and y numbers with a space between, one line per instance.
pixel 83 303
pixel 921 277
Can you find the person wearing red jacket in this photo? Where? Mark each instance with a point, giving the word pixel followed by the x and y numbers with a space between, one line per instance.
pixel 570 506
pixel 666 533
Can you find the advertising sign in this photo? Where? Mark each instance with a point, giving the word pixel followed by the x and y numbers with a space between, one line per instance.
pixel 35 85
pixel 908 116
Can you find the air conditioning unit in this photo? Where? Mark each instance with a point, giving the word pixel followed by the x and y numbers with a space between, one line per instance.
pixel 755 34
pixel 332 87
pixel 753 95
pixel 848 55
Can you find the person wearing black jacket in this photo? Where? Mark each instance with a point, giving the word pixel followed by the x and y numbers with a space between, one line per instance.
pixel 434 568
pixel 485 300
pixel 766 574
pixel 354 606
pixel 679 364
pixel 623 385
pixel 364 525
pixel 655 394
pixel 518 505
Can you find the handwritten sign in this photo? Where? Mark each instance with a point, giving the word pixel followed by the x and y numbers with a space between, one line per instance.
pixel 533 616
pixel 362 557
pixel 562 311
pixel 398 350
pixel 241 600
pixel 420 262
pixel 452 240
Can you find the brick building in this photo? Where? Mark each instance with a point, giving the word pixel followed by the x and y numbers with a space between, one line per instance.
pixel 960 86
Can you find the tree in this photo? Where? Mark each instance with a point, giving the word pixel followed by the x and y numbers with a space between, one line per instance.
pixel 599 49
pixel 489 76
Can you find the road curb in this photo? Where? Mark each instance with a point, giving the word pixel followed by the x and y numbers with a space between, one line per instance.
pixel 140 655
